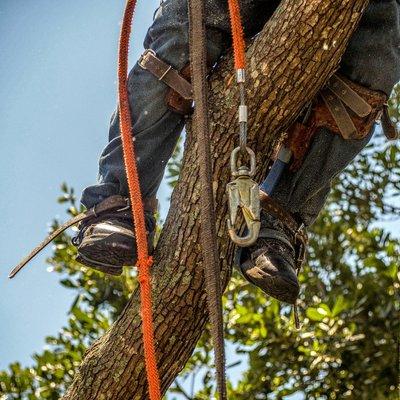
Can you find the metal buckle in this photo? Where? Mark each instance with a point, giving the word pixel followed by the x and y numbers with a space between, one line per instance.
pixel 144 57
pixel 127 207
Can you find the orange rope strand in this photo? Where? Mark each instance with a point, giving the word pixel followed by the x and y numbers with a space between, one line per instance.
pixel 237 34
pixel 144 260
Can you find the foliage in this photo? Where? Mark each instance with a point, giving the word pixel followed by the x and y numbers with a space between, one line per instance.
pixel 346 346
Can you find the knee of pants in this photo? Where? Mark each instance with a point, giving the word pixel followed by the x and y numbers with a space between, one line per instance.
pixel 168 36
pixel 372 57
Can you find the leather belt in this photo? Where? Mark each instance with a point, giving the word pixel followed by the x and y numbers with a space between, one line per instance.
pixel 339 114
pixel 337 95
pixel 349 97
pixel 272 207
pixel 389 128
pixel 166 73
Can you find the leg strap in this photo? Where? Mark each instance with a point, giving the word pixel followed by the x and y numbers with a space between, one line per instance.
pixel 180 96
pixel 166 74
pixel 112 203
pixel 295 229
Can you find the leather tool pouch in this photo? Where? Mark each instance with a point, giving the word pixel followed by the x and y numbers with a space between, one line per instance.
pixel 346 109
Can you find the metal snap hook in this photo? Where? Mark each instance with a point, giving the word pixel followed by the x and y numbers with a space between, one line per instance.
pixel 243 196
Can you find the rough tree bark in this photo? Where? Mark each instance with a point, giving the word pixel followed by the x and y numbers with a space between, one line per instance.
pixel 298 49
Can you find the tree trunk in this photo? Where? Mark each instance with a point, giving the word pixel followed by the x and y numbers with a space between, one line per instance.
pixel 298 49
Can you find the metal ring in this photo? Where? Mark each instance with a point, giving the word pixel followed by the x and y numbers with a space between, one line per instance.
pixel 144 55
pixel 234 159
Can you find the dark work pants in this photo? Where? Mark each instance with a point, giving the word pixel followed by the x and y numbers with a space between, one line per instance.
pixel 372 59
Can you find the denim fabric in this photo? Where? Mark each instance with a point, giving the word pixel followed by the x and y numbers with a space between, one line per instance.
pixel 372 59
pixel 156 128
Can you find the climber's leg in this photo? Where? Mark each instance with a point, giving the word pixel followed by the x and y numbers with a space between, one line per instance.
pixel 373 60
pixel 156 127
pixel 108 242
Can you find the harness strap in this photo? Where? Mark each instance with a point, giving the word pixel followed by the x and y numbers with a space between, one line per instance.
pixel 389 128
pixel 272 207
pixel 268 233
pixel 349 96
pixel 166 73
pixel 298 232
pixel 111 203
pixel 339 114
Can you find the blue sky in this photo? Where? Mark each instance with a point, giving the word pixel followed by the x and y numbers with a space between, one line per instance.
pixel 57 85
pixel 58 90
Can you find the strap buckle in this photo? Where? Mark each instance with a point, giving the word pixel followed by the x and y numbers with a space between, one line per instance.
pixel 243 194
pixel 145 57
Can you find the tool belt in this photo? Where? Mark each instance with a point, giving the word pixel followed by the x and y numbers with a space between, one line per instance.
pixel 346 109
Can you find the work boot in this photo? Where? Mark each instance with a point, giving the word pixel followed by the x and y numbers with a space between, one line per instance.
pixel 272 263
pixel 107 241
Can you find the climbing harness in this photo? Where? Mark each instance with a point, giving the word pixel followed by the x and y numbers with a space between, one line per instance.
pixel 243 192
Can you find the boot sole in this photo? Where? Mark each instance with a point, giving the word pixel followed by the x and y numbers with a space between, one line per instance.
pixel 107 269
pixel 278 287
pixel 106 256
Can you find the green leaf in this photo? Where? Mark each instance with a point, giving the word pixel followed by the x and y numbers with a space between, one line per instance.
pixel 340 305
pixel 314 314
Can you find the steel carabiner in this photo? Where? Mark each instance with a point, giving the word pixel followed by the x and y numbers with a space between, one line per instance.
pixel 243 194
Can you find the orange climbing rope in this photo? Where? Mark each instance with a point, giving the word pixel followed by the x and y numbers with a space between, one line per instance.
pixel 237 34
pixel 144 260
